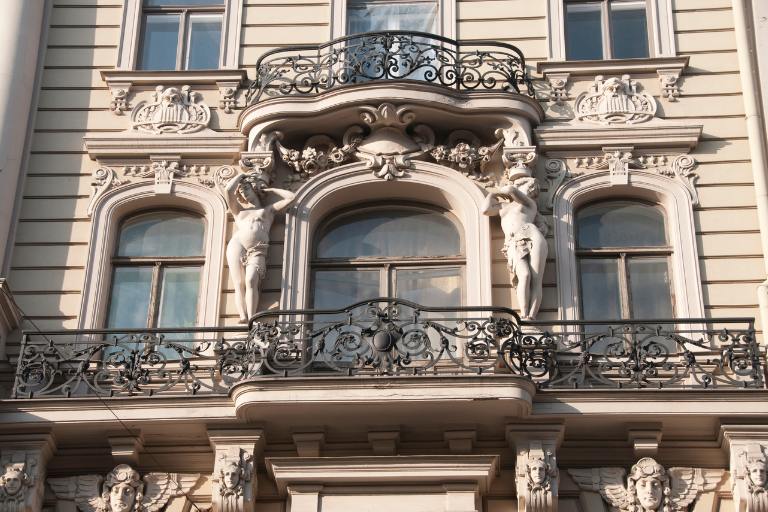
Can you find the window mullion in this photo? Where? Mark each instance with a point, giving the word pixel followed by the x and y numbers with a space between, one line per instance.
pixel 180 52
pixel 626 306
pixel 605 13
pixel 154 298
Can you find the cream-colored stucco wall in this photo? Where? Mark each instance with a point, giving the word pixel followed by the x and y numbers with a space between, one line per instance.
pixel 48 262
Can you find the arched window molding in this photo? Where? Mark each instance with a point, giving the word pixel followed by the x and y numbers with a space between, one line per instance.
pixel 672 196
pixel 346 185
pixel 114 206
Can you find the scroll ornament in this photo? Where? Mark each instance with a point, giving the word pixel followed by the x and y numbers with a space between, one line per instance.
pixel 172 110
pixel 123 490
pixel 649 487
pixel 615 101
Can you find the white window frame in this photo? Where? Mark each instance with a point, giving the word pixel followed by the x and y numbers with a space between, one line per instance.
pixel 661 39
pixel 676 202
pixel 446 22
pixel 119 203
pixel 130 35
pixel 426 183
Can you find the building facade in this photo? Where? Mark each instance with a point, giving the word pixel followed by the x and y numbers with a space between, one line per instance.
pixel 413 255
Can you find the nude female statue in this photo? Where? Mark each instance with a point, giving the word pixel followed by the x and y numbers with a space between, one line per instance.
pixel 524 244
pixel 247 249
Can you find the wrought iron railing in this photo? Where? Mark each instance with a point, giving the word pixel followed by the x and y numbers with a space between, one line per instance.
pixel 391 55
pixel 393 338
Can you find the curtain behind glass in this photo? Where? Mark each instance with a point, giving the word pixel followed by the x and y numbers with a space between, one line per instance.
pixel 380 16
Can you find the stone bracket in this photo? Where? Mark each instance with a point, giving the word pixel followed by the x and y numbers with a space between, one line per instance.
pixel 645 438
pixel 236 452
pixel 126 447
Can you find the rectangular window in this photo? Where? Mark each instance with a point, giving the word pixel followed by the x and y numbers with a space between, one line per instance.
pixel 606 29
pixel 377 16
pixel 181 34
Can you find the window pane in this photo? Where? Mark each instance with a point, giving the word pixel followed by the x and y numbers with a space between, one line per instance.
pixel 649 288
pixel 162 234
pixel 583 31
pixel 620 224
pixel 629 32
pixel 430 287
pixel 204 42
pixel 178 297
pixel 180 3
pixel 374 16
pixel 129 303
pixel 339 288
pixel 159 40
pixel 600 298
pixel 390 233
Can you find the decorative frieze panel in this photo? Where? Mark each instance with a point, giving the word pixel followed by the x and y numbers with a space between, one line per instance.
pixel 649 486
pixel 172 110
pixel 615 101
pixel 123 490
pixel 750 477
pixel 620 162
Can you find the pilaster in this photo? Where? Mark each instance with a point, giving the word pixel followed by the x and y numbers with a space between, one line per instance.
pixel 24 460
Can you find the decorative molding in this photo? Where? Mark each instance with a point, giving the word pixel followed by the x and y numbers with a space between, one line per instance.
pixel 23 462
pixel 558 84
pixel 649 485
pixel 234 482
pixel 123 146
pixel 557 173
pixel 164 172
pixel 581 68
pixel 620 160
pixel 95 493
pixel 121 83
pixel 10 318
pixel 172 110
pixel 104 178
pixel 320 153
pixel 536 475
pixel 464 153
pixel 656 135
pixel 669 78
pixel 615 101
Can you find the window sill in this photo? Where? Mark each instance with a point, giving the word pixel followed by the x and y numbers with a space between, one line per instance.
pixel 668 69
pixel 120 82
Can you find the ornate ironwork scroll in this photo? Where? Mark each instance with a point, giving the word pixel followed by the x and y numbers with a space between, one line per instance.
pixel 392 55
pixel 390 338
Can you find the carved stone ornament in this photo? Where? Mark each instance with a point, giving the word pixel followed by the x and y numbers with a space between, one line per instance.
pixel 615 101
pixel 557 173
pixel 649 487
pixel 233 482
pixel 668 80
pixel 464 153
pixel 537 479
pixel 16 485
pixel 171 110
pixel 227 98
pixel 750 479
pixel 558 83
pixel 123 490
pixel 320 153
pixel 620 161
pixel 164 172
pixel 119 93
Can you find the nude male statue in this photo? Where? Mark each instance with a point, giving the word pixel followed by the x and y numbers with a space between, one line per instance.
pixel 247 249
pixel 524 244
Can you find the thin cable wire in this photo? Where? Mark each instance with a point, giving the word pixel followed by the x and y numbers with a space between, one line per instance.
pixel 27 318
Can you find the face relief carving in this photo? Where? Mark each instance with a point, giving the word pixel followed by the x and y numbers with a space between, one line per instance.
pixel 12 481
pixel 122 497
pixel 231 476
pixel 649 493
pixel 537 472
pixel 757 474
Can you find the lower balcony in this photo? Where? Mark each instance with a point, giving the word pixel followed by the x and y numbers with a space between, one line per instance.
pixel 392 339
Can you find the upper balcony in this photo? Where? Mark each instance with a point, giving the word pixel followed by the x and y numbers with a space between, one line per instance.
pixel 391 55
pixel 385 339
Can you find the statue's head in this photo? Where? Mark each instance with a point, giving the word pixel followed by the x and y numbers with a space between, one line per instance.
pixel 756 472
pixel 649 482
pixel 230 475
pixel 251 188
pixel 13 479
pixel 170 95
pixel 123 489
pixel 528 186
pixel 538 471
pixel 613 85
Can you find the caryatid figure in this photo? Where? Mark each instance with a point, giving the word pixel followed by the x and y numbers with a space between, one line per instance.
pixel 247 197
pixel 524 244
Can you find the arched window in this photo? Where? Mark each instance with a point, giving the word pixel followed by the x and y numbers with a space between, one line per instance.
pixel 623 253
pixel 412 253
pixel 156 271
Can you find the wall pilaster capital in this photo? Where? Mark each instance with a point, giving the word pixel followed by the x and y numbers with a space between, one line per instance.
pixel 236 453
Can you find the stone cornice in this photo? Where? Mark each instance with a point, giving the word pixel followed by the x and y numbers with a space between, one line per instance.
pixel 611 67
pixel 226 147
pixel 152 78
pixel 419 469
pixel 656 135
